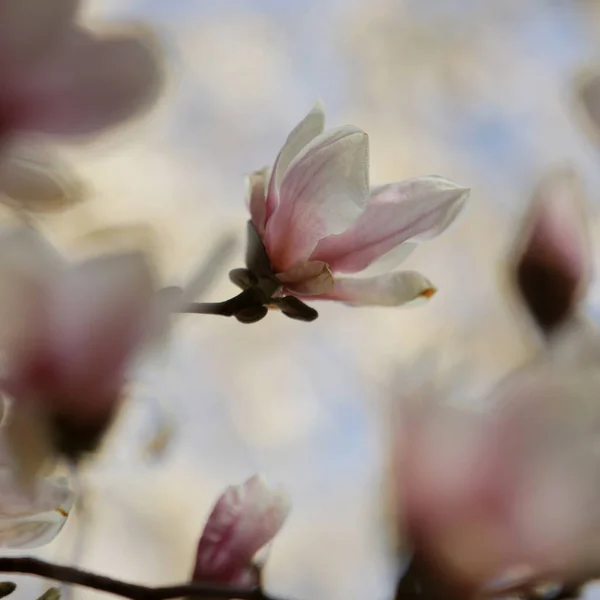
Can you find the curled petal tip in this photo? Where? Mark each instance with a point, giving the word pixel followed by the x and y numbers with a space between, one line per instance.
pixel 245 519
pixel 462 193
pixel 428 292
pixel 318 106
pixel 262 482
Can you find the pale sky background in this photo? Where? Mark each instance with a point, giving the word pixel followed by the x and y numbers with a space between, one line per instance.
pixel 480 92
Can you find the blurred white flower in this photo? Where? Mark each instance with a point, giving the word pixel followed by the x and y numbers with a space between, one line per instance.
pixel 32 520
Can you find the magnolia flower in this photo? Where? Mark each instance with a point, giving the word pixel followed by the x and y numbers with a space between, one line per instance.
pixel 67 333
pixel 314 218
pixel 518 485
pixel 244 520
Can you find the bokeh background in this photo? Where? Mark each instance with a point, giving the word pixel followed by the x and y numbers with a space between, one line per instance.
pixel 480 92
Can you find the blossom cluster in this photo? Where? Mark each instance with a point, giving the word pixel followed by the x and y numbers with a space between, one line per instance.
pixel 476 494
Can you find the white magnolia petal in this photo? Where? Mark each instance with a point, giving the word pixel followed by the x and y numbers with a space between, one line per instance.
pixel 27 265
pixel 417 209
pixel 390 260
pixel 257 184
pixel 324 191
pixel 34 179
pixel 258 179
pixel 444 198
pixel 393 289
pixel 32 521
pixel 305 132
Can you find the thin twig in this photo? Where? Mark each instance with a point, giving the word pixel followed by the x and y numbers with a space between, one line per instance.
pixel 33 566
pixel 251 298
pixel 206 308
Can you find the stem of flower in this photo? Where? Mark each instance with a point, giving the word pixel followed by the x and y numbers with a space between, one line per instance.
pixel 32 566
pixel 207 308
pixel 250 298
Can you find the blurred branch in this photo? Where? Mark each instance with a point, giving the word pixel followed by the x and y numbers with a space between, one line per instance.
pixel 527 591
pixel 418 582
pixel 33 566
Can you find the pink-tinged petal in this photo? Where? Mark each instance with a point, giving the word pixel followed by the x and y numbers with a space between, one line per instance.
pixel 98 313
pixel 28 437
pixel 305 132
pixel 416 209
pixel 91 83
pixel 390 260
pixel 454 489
pixel 550 414
pixel 393 289
pixel 27 265
pixel 29 28
pixel 24 253
pixel 33 179
pixel 244 520
pixel 517 485
pixel 256 196
pixel 311 278
pixel 324 190
pixel 552 252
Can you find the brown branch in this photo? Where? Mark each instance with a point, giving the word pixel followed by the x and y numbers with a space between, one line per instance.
pixel 32 566
pixel 527 588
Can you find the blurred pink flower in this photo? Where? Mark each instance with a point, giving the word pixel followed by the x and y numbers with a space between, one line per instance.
pixel 483 494
pixel 551 255
pixel 67 333
pixel 244 520
pixel 517 484
pixel 56 77
pixel 316 215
